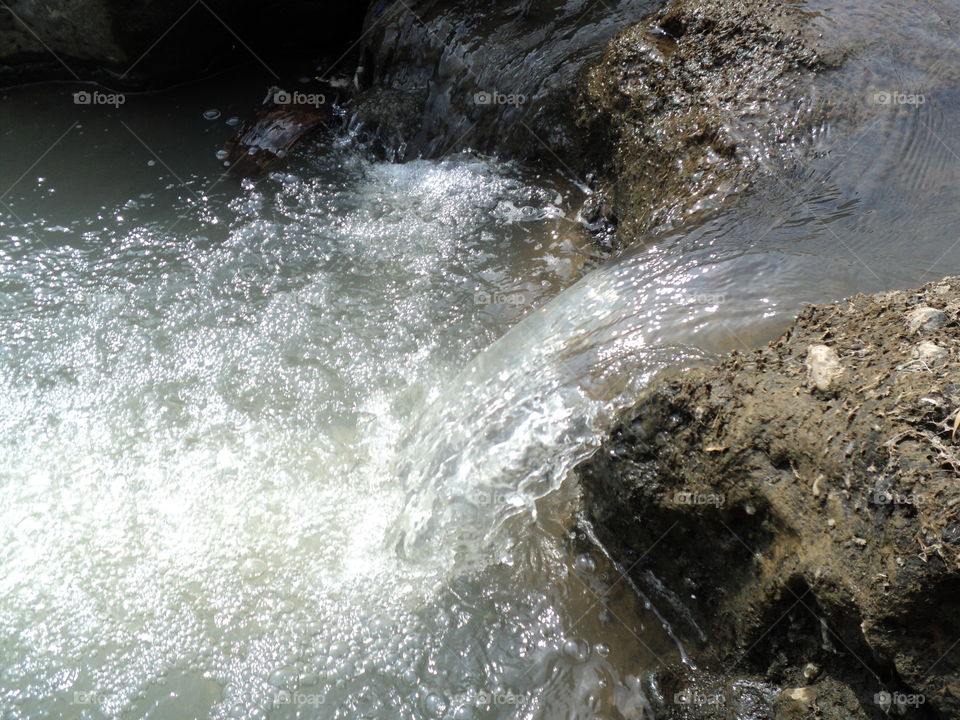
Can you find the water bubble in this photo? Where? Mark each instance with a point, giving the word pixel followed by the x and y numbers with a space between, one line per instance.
pixel 601 649
pixel 435 705
pixel 211 114
pixel 585 564
pixel 222 154
pixel 464 712
pixel 284 677
pixel 576 650
pixel 339 649
pixel 252 568
pixel 233 121
pixel 151 163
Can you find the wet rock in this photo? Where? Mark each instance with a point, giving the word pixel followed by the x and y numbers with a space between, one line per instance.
pixel 680 107
pixel 496 77
pixel 859 578
pixel 665 112
pixel 823 366
pixel 804 696
pixel 926 319
pixel 284 120
pixel 386 120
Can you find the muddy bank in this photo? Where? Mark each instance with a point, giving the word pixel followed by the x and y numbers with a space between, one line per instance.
pixel 796 513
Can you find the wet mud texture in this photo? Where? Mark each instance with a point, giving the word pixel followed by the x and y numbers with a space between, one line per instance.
pixel 795 512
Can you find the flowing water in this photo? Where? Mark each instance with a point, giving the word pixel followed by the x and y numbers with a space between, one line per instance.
pixel 301 448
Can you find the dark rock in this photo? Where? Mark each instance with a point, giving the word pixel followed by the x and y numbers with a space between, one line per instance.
pixel 497 77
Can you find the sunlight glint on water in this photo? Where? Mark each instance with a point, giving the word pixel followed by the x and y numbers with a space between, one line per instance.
pixel 199 434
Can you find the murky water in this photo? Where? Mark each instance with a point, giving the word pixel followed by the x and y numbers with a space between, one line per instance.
pixel 298 449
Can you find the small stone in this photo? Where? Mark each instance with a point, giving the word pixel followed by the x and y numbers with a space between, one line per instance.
pixel 929 352
pixel 811 671
pixel 805 695
pixel 926 319
pixel 823 366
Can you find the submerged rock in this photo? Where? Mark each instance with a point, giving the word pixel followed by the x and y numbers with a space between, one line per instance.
pixel 831 568
pixel 284 120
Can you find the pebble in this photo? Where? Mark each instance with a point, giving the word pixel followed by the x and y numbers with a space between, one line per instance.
pixel 811 671
pixel 929 352
pixel 823 366
pixel 926 319
pixel 804 695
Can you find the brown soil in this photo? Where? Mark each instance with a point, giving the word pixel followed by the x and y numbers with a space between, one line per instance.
pixel 783 526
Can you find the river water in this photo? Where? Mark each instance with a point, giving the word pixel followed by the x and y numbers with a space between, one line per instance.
pixel 301 448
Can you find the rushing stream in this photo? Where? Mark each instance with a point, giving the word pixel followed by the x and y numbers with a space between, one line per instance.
pixel 300 448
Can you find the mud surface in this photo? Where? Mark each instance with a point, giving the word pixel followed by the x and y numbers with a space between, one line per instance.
pixel 794 511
